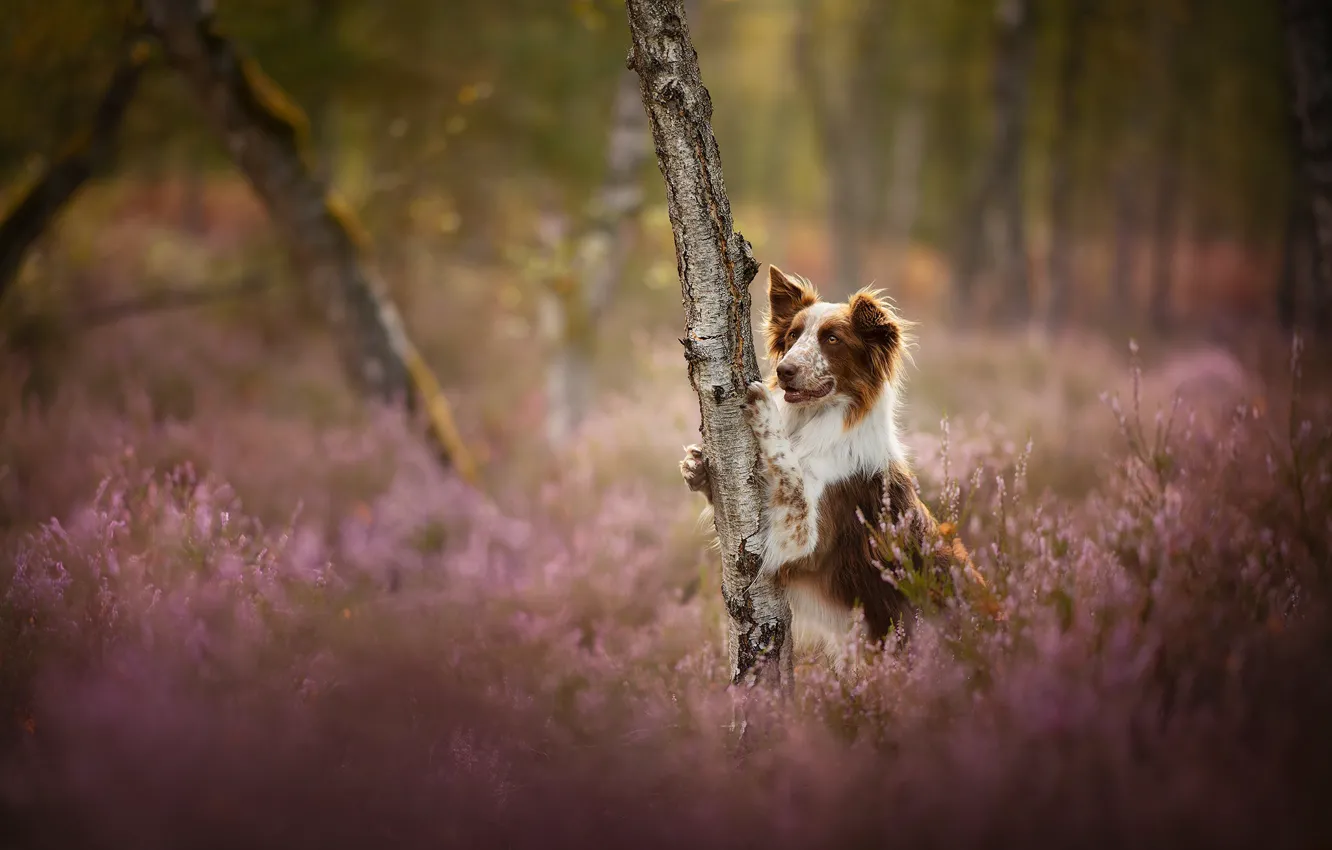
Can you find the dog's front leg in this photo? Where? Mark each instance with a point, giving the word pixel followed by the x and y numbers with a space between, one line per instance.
pixel 792 529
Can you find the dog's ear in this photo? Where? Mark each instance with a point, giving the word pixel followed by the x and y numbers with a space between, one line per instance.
pixel 874 322
pixel 787 296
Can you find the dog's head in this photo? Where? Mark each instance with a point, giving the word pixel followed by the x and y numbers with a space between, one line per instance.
pixel 824 352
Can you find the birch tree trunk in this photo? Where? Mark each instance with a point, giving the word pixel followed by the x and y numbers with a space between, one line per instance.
pixel 1309 50
pixel 716 266
pixel 83 157
pixel 267 137
pixel 598 266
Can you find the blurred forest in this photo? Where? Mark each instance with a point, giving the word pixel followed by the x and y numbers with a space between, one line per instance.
pixel 1116 164
pixel 264 263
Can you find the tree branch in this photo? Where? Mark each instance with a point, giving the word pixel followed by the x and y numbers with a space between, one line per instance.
pixel 83 156
pixel 715 266
pixel 267 136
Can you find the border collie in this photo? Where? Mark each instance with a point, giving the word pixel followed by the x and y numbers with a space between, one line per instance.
pixel 827 433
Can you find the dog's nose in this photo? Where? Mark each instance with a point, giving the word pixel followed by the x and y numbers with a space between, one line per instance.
pixel 785 372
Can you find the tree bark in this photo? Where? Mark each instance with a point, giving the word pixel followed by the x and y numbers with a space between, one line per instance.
pixel 83 157
pixel 716 266
pixel 599 261
pixel 1309 52
pixel 267 137
pixel 1000 187
pixel 1067 121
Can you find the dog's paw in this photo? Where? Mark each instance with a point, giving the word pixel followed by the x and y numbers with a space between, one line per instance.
pixel 694 469
pixel 760 411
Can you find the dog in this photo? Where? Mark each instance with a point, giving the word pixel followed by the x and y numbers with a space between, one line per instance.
pixel 833 463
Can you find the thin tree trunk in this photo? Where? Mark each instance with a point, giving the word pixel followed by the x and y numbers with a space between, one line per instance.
pixel 1000 186
pixel 267 137
pixel 1169 159
pixel 82 158
pixel 904 194
pixel 1165 238
pixel 716 266
pixel 599 261
pixel 1067 121
pixel 1125 240
pixel 1309 50
pixel 1296 250
pixel 840 131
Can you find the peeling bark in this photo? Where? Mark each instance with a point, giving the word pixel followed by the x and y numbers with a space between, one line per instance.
pixel 716 266
pixel 83 157
pixel 1309 51
pixel 267 137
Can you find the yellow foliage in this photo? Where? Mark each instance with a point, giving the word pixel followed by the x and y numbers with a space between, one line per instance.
pixel 341 212
pixel 440 414
pixel 276 104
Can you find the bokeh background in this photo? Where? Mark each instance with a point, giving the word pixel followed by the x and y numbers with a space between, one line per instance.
pixel 243 601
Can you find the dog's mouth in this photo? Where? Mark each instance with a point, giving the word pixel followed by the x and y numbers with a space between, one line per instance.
pixel 814 393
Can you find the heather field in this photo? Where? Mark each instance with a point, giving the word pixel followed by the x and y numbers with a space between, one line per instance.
pixel 238 609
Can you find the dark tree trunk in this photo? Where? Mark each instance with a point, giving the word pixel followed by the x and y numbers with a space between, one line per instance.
pixel 82 158
pixel 1067 124
pixel 715 267
pixel 267 137
pixel 1309 50
pixel 1000 186
pixel 1297 259
pixel 1170 110
pixel 1122 263
pixel 1165 233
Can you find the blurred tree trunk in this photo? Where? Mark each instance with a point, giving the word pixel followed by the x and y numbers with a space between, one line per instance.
pixel 1170 108
pixel 267 137
pixel 1309 51
pixel 1000 186
pixel 716 267
pixel 83 157
pixel 1298 258
pixel 578 301
pixel 837 95
pixel 1122 263
pixel 904 179
pixel 1067 127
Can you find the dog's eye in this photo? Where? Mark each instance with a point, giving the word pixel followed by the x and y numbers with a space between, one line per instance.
pixel 831 339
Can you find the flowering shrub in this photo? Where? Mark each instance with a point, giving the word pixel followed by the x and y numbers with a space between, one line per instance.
pixel 398 659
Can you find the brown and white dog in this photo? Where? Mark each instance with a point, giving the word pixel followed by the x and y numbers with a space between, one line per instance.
pixel 827 433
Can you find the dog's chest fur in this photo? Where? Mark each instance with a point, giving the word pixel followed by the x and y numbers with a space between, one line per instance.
pixel 845 471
